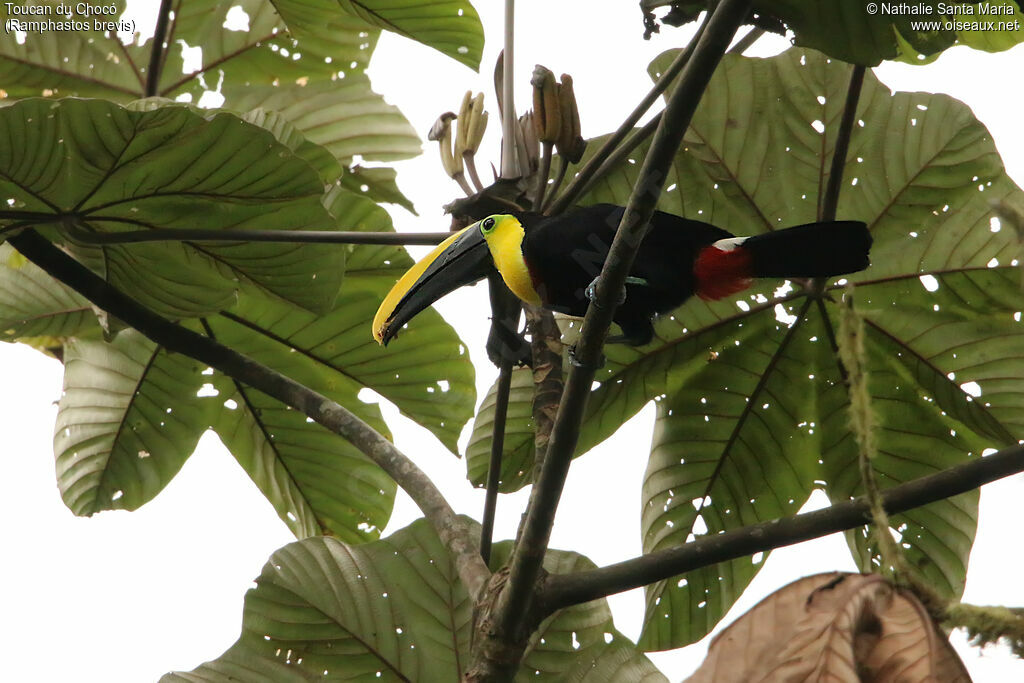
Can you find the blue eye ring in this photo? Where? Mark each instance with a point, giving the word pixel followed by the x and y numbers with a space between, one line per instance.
pixel 487 225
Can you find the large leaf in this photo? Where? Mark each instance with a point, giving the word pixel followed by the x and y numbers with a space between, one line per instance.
pixel 32 304
pixel 109 169
pixel 395 610
pixel 344 116
pixel 867 33
pixel 131 414
pixel 921 171
pixel 450 26
pixel 128 419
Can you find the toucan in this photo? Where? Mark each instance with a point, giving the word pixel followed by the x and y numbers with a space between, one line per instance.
pixel 553 261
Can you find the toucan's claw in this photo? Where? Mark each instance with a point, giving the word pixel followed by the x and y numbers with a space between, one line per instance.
pixel 573 360
pixel 591 292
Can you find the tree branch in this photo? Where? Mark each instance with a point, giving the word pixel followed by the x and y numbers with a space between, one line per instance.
pixel 589 171
pixel 453 532
pixel 156 53
pixel 563 590
pixel 514 606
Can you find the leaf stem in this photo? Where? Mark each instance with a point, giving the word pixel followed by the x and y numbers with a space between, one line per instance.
pixel 163 19
pixel 453 531
pixel 494 466
pixel 563 590
pixel 830 201
pixel 203 235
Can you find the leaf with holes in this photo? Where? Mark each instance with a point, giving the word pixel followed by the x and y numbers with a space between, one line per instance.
pixel 129 417
pixel 450 26
pixel 132 414
pixel 94 167
pixel 394 609
pixel 847 30
pixel 257 50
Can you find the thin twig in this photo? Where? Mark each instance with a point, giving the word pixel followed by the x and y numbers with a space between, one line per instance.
pixel 583 178
pixel 563 590
pixel 163 18
pixel 502 392
pixel 529 552
pixel 453 531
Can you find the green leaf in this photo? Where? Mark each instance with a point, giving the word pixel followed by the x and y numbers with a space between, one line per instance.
pixel 912 32
pixel 32 304
pixel 128 419
pixel 377 183
pixel 345 116
pixel 108 169
pixel 450 26
pixel 394 609
pixel 132 413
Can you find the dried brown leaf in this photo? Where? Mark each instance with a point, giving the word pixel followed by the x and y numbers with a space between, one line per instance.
pixel 841 628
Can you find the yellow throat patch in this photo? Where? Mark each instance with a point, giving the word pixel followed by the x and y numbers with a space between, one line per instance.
pixel 505 241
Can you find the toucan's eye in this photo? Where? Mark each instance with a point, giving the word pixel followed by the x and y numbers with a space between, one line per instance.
pixel 487 225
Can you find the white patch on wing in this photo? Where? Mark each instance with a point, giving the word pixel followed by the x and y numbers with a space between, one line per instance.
pixel 729 243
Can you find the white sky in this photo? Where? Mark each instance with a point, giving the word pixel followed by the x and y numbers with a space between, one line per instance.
pixel 128 596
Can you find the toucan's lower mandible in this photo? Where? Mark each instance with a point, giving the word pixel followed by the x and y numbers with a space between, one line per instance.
pixel 553 260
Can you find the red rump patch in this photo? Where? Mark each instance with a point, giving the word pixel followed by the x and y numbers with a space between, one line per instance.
pixel 720 273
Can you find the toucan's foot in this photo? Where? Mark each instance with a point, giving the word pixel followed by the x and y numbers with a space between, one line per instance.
pixel 573 360
pixel 591 292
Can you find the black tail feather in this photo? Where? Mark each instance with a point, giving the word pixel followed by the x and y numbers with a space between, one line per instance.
pixel 812 250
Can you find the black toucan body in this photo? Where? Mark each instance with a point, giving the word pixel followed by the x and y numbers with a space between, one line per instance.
pixel 552 261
